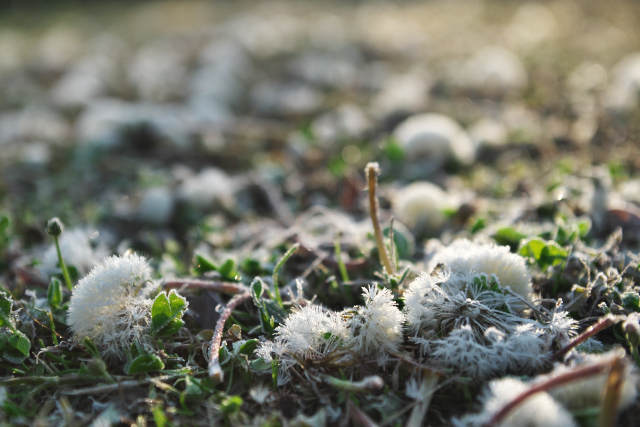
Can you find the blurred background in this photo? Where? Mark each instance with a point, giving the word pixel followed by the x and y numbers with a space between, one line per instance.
pixel 158 120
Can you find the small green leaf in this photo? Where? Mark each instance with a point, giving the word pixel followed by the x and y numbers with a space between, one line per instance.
pixel 4 222
pixel 16 347
pixel 166 313
pixel 508 236
pixel 631 301
pixel 260 365
pixel 256 291
pixel 478 224
pixel 203 264
pixel 54 293
pixel 224 355
pixel 231 405
pixel 6 313
pixel 533 249
pixel 192 386
pixel 248 347
pixel 145 363
pixel 227 270
pixel 91 348
pixel 584 226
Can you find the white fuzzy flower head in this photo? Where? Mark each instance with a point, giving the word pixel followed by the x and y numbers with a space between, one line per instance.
pixel 376 328
pixel 109 305
pixel 77 251
pixel 539 410
pixel 465 256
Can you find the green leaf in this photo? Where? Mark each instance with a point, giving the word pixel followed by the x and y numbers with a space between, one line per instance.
pixel 54 293
pixel 145 363
pixel 160 418
pixel 16 347
pixel 91 348
pixel 478 225
pixel 166 313
pixel 584 226
pixel 4 222
pixel 6 313
pixel 227 270
pixel 224 355
pixel 248 347
pixel 533 249
pixel 192 386
pixel 231 405
pixel 256 291
pixel 508 236
pixel 260 365
pixel 631 301
pixel 203 264
pixel 544 254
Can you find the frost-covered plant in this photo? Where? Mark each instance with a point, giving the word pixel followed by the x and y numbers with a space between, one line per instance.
pixel 465 256
pixel 374 329
pixel 465 321
pixel 110 305
pixel 309 334
pixel 77 251
pixel 540 410
pixel 589 392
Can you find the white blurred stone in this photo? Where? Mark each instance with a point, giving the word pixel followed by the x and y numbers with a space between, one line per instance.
pixel 205 189
pixel 624 90
pixel 347 121
pixel 522 124
pixel 37 153
pixel 156 205
pixel 402 93
pixel 325 69
pixel 158 71
pixel 12 50
pixel 488 132
pixel 494 69
pixel 532 24
pixel 59 46
pixel 216 82
pixel 87 79
pixel 33 123
pixel 274 98
pixel 103 122
pixel 421 205
pixel 436 137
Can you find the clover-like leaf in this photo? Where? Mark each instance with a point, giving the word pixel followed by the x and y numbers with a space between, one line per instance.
pixel 144 363
pixel 166 313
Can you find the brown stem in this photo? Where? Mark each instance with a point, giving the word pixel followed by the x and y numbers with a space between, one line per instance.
pixel 229 288
pixel 611 402
pixel 372 170
pixel 215 371
pixel 600 325
pixel 561 379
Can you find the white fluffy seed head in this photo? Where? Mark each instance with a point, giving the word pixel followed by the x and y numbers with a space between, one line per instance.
pixel 77 251
pixel 375 328
pixel 539 410
pixel 421 205
pixel 466 256
pixel 109 304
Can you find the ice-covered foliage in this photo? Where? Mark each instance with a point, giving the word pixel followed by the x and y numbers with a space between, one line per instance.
pixel 374 329
pixel 109 305
pixel 469 257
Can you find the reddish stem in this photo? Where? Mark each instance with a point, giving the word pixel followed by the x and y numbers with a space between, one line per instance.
pixel 600 325
pixel 215 371
pixel 223 287
pixel 358 417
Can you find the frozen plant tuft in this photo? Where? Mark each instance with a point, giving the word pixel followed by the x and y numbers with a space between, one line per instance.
pixel 376 328
pixel 465 256
pixel 109 305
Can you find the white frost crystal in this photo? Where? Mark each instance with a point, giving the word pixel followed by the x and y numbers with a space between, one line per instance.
pixel 465 256
pixel 539 410
pixel 376 328
pixel 109 305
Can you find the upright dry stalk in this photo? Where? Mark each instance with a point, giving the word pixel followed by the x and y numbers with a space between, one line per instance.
pixel 428 388
pixel 215 371
pixel 371 171
pixel 615 381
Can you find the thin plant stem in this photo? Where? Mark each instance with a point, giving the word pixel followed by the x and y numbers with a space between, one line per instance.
pixel 372 170
pixel 228 288
pixel 215 371
pixel 392 244
pixel 276 270
pixel 419 412
pixel 600 325
pixel 341 265
pixel 615 381
pixel 559 380
pixel 358 417
pixel 63 266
